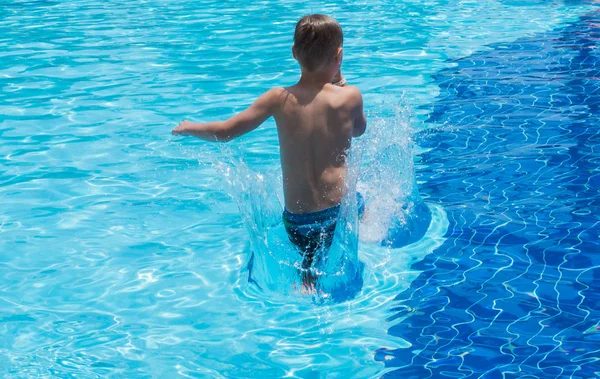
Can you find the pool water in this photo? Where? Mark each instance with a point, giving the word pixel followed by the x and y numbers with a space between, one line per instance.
pixel 124 253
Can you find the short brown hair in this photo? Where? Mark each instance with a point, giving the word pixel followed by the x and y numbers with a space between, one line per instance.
pixel 316 40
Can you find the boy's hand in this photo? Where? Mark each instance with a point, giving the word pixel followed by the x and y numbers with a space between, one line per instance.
pixel 339 79
pixel 181 128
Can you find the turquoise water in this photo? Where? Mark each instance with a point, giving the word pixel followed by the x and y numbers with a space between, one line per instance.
pixel 123 249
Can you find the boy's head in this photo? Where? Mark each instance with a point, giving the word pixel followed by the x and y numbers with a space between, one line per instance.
pixel 318 42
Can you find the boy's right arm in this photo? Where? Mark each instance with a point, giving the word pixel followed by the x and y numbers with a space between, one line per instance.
pixel 358 114
pixel 240 124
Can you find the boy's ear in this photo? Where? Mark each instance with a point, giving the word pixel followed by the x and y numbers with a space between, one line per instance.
pixel 339 55
pixel 294 52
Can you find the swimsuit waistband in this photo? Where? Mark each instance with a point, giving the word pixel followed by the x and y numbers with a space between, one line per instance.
pixel 311 217
pixel 318 216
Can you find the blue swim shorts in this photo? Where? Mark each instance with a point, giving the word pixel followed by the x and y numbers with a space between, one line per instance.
pixel 314 231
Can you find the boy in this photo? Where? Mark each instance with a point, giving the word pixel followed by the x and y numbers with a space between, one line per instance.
pixel 316 121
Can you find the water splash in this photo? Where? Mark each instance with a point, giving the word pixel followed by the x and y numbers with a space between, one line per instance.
pixel 380 166
pixel 397 215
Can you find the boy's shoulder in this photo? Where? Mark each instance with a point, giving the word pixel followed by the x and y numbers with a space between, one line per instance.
pixel 348 95
pixel 275 95
pixel 352 92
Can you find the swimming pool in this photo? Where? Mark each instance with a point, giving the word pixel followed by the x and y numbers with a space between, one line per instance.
pixel 122 252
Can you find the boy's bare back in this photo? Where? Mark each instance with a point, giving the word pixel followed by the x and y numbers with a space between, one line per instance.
pixel 315 127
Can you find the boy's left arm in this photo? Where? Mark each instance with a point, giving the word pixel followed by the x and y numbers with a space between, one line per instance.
pixel 240 124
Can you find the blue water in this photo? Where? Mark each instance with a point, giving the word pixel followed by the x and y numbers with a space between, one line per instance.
pixel 124 251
